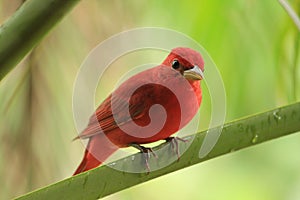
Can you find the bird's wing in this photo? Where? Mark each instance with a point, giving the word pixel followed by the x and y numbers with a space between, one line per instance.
pixel 104 119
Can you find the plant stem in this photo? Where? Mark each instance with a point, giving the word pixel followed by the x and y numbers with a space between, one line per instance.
pixel 29 24
pixel 290 12
pixel 295 66
pixel 239 134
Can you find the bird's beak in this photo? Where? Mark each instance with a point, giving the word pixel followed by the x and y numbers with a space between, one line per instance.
pixel 193 74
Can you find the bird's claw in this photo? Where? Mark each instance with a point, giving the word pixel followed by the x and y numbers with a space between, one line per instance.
pixel 146 153
pixel 174 144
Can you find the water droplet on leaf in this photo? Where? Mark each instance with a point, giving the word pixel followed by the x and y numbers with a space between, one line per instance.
pixel 255 138
pixel 276 115
pixel 112 164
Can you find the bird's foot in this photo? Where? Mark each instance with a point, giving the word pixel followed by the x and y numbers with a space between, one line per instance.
pixel 174 144
pixel 146 151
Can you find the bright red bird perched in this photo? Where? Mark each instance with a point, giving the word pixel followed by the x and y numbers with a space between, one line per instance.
pixel 130 116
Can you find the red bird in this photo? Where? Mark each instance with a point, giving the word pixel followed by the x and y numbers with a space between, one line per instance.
pixel 130 116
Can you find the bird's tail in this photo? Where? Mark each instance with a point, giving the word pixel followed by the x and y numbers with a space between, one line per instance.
pixel 88 162
pixel 98 149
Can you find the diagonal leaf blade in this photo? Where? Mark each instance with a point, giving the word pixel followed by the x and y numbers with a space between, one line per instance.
pixel 239 134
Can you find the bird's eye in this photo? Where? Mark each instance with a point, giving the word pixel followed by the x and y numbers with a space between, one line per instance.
pixel 175 64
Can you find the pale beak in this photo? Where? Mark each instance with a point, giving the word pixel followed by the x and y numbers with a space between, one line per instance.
pixel 193 74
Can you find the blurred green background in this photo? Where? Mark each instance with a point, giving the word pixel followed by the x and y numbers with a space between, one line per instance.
pixel 254 44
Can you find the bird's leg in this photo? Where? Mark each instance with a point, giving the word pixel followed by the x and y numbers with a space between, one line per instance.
pixel 174 144
pixel 146 151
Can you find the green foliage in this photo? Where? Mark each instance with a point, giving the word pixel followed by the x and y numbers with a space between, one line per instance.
pixel 236 135
pixel 254 44
pixel 22 31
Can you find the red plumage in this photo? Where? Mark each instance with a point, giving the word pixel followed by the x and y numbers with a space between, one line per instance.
pixel 175 85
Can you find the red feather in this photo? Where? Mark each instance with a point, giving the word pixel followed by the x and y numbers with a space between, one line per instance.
pixel 105 129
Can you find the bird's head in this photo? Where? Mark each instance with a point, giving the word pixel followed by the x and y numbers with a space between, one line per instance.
pixel 186 61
